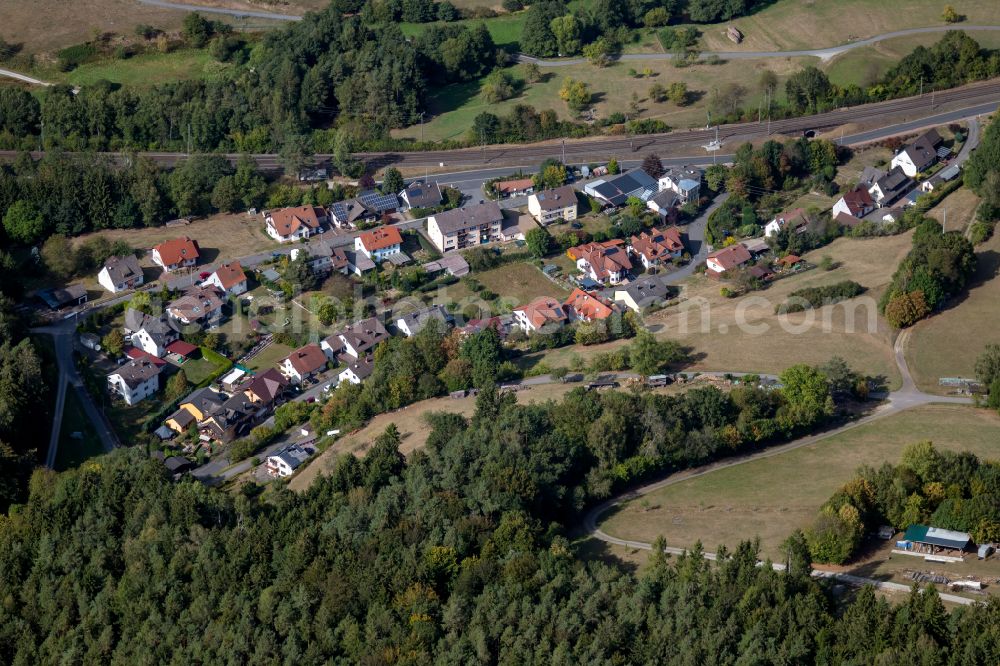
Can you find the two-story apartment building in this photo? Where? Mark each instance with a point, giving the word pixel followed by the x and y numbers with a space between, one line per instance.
pixel 465 227
pixel 120 274
pixel 548 206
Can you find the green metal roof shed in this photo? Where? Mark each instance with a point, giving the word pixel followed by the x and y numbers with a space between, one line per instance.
pixel 937 537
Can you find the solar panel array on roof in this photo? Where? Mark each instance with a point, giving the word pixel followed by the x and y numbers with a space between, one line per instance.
pixel 378 202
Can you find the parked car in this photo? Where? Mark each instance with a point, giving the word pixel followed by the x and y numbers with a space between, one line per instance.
pixel 203 275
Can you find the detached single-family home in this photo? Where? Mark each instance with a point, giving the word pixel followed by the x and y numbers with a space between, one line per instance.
pixel 324 259
pixel 266 388
pixel 943 176
pixel 889 188
pixel 136 380
pixel 150 334
pixel 194 409
pixel 379 244
pixel 797 218
pixel 286 460
pixel 198 305
pixel 460 228
pixel 287 225
pixel 544 312
pixel 120 274
pixel 588 306
pixel 684 181
pixel 664 204
pixel 919 155
pixel 175 254
pixel 606 263
pixel 421 195
pixel 857 202
pixel 643 293
pixel 657 245
pixel 615 191
pixel 414 322
pixel 516 187
pixel 357 370
pixel 303 363
pixel 548 206
pixel 348 214
pixel 727 259
pixel 357 340
pixel 229 279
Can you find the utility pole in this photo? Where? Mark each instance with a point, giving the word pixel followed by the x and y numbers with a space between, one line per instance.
pixel 421 127
pixel 564 152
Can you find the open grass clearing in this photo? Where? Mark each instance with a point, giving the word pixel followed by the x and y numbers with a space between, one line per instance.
pixel 957 210
pixel 810 24
pixel 269 357
pixel 947 344
pixel 150 69
pixel 520 281
pixel 771 497
pixel 220 237
pixel 74 450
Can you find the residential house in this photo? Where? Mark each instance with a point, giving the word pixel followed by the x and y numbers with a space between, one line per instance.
pixel 288 225
pixel 515 188
pixel 356 340
pixel 857 202
pixel 348 214
pixel 303 363
pixel 606 263
pixel 120 274
pixel 502 324
pixel 548 206
pixel 325 259
pixel 919 155
pixel 683 181
pixel 379 244
pixel 544 312
pixel 378 203
pixel 358 370
pixel 286 460
pixel 588 306
pixel 176 254
pixel 657 245
pixel 195 408
pixel 199 305
pixel 943 176
pixel 414 322
pixel 643 293
pixel 228 278
pixel 727 259
pixel 889 188
pixel 148 333
pixel 419 194
pixel 267 388
pixel 665 204
pixel 136 380
pixel 615 191
pixel 452 264
pixel 234 418
pixel 460 228
pixel 358 263
pixel 797 218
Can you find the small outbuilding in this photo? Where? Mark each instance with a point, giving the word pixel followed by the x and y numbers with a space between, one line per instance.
pixel 934 538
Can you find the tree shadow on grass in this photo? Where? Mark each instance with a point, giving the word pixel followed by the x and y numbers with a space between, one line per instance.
pixel 988 268
pixel 596 550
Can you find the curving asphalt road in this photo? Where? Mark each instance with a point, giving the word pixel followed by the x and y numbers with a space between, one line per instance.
pixel 907 397
pixel 823 53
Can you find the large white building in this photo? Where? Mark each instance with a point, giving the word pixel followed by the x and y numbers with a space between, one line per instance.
pixel 136 380
pixel 548 206
pixel 460 228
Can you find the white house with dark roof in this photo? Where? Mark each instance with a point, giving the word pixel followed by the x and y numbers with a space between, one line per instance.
pixel 919 155
pixel 286 460
pixel 548 206
pixel 356 340
pixel 414 322
pixel 120 274
pixel 683 181
pixel 358 370
pixel 135 381
pixel 419 194
pixel 148 333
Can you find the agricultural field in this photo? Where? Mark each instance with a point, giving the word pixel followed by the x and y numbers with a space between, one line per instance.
pixel 772 496
pixel 947 344
pixel 809 24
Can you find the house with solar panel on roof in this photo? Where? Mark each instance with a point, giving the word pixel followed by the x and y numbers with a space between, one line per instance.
pixel 369 206
pixel 615 191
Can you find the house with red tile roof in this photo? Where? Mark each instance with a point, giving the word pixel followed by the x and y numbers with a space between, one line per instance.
pixel 797 218
pixel 607 262
pixel 175 254
pixel 287 225
pixel 543 312
pixel 588 306
pixel 303 363
pixel 656 246
pixel 727 259
pixel 228 278
pixel 857 202
pixel 379 244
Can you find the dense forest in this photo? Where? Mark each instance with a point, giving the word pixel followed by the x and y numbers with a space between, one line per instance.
pixel 459 554
pixel 953 491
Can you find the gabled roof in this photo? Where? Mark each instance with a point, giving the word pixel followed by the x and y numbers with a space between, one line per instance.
pixel 542 311
pixel 451 221
pixel 923 150
pixel 604 258
pixel 377 202
pixel 893 182
pixel 658 243
pixel 177 250
pixel 937 536
pixel 415 321
pixel 268 385
pixel 362 367
pixel 858 200
pixel 350 211
pixel 646 291
pixel 136 372
pixel 455 264
pixel 292 455
pixel 589 305
pixel 122 269
pixel 421 195
pixel 196 303
pixel 287 221
pixel 796 217
pixel 617 189
pixel 307 360
pixel 381 238
pixel 158 328
pixel 205 400
pixel 556 199
pixel 731 257
pixel 363 336
pixel 230 275
pixel 847 220
pixel 181 348
pixel 516 185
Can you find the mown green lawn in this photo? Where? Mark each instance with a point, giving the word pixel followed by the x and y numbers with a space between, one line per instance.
pixel 150 69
